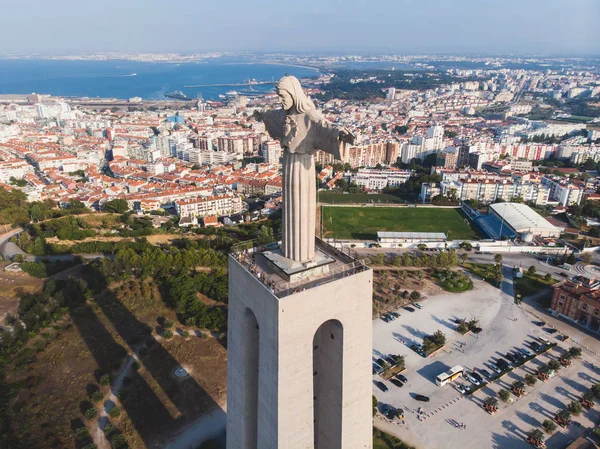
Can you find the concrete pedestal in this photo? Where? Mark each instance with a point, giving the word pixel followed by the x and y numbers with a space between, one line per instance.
pixel 299 367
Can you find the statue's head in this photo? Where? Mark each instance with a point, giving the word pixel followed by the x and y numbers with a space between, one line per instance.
pixel 292 96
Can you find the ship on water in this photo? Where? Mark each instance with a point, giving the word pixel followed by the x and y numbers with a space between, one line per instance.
pixel 177 95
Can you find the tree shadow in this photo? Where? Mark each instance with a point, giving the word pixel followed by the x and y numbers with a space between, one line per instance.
pixel 575 385
pixel 552 400
pixel 514 429
pixel 528 419
pixel 506 441
pixel 542 410
pixel 414 332
pixel 446 323
pixel 566 393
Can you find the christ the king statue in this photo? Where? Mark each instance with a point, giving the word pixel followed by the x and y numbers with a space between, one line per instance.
pixel 301 131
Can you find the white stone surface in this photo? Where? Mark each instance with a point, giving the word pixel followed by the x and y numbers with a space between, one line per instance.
pixel 281 414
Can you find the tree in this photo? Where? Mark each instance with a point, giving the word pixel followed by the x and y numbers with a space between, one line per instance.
pixel 168 334
pixel 530 380
pixel 91 413
pixel 265 235
pixel 504 395
pixel 549 426
pixel 374 405
pixel 554 365
pixel 117 206
pixel 104 380
pixel 596 390
pixel 81 433
pixel 168 324
pixel 531 270
pixel 575 351
pixel 548 277
pixel 97 396
pixel 115 412
pixel 571 259
pixel 439 338
pixel 498 258
pixel 575 407
pixel 341 184
pixel 415 295
pixel 463 257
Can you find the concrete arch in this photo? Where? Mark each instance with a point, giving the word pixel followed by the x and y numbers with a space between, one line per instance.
pixel 328 368
pixel 250 363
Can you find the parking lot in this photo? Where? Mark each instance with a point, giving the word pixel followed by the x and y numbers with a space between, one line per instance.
pixel 505 327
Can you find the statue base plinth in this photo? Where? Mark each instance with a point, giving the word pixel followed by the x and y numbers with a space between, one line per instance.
pixel 294 271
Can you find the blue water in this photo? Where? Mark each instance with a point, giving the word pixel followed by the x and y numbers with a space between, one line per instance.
pixel 152 80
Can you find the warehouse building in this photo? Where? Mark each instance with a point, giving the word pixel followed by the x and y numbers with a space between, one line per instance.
pixel 523 220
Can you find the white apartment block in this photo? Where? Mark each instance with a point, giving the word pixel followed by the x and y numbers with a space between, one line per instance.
pixel 562 190
pixel 14 168
pixel 272 152
pixel 372 179
pixel 212 205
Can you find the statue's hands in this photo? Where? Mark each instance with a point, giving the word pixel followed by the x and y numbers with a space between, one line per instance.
pixel 257 115
pixel 346 136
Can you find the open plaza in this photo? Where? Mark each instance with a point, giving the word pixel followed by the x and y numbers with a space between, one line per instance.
pixel 453 420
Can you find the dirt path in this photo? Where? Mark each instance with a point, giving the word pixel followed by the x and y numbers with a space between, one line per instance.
pixel 97 434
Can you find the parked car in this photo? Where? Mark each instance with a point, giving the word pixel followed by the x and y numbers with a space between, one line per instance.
pixel 485 373
pixel 420 397
pixel 511 358
pixel 396 382
pixel 502 364
pixel 535 346
pixel 417 305
pixel 463 388
pixel 539 323
pixel 381 386
pixel 390 317
pixel 402 378
pixel 526 352
pixel 409 309
pixel 550 330
pixel 381 362
pixel 519 356
pixel 471 378
pixel 377 369
pixel 385 319
pixel 477 377
pixel 396 314
pixel 497 369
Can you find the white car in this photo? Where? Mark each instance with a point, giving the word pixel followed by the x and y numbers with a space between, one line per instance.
pixel 417 305
pixel 526 352
pixel 472 379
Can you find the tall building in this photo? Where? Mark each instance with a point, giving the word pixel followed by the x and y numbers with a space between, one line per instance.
pixel 299 351
pixel 436 133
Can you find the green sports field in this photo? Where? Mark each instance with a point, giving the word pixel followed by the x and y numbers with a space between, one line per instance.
pixel 362 223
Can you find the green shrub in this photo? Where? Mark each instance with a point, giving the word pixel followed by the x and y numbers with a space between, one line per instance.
pixel 168 334
pixel 168 324
pixel 97 396
pixel 115 412
pixel 105 380
pixel 186 334
pixel 530 379
pixel 108 429
pixel 549 426
pixel 504 395
pixel 118 441
pixel 81 433
pixel 91 413
pixel 575 407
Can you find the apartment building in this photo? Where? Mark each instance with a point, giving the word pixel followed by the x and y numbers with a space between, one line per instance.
pixel 212 205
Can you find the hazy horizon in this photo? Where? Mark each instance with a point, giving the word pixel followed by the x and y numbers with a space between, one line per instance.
pixel 466 27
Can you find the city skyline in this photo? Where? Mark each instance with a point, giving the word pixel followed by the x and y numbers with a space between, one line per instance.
pixel 556 27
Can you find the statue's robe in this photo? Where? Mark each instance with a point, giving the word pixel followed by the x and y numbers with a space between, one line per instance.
pixel 301 135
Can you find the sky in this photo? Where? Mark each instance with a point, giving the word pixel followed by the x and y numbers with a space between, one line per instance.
pixel 547 27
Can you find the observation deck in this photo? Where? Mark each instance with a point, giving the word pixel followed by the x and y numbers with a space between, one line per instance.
pixel 284 277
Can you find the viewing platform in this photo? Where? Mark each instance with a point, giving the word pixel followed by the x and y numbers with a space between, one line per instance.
pixel 284 277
